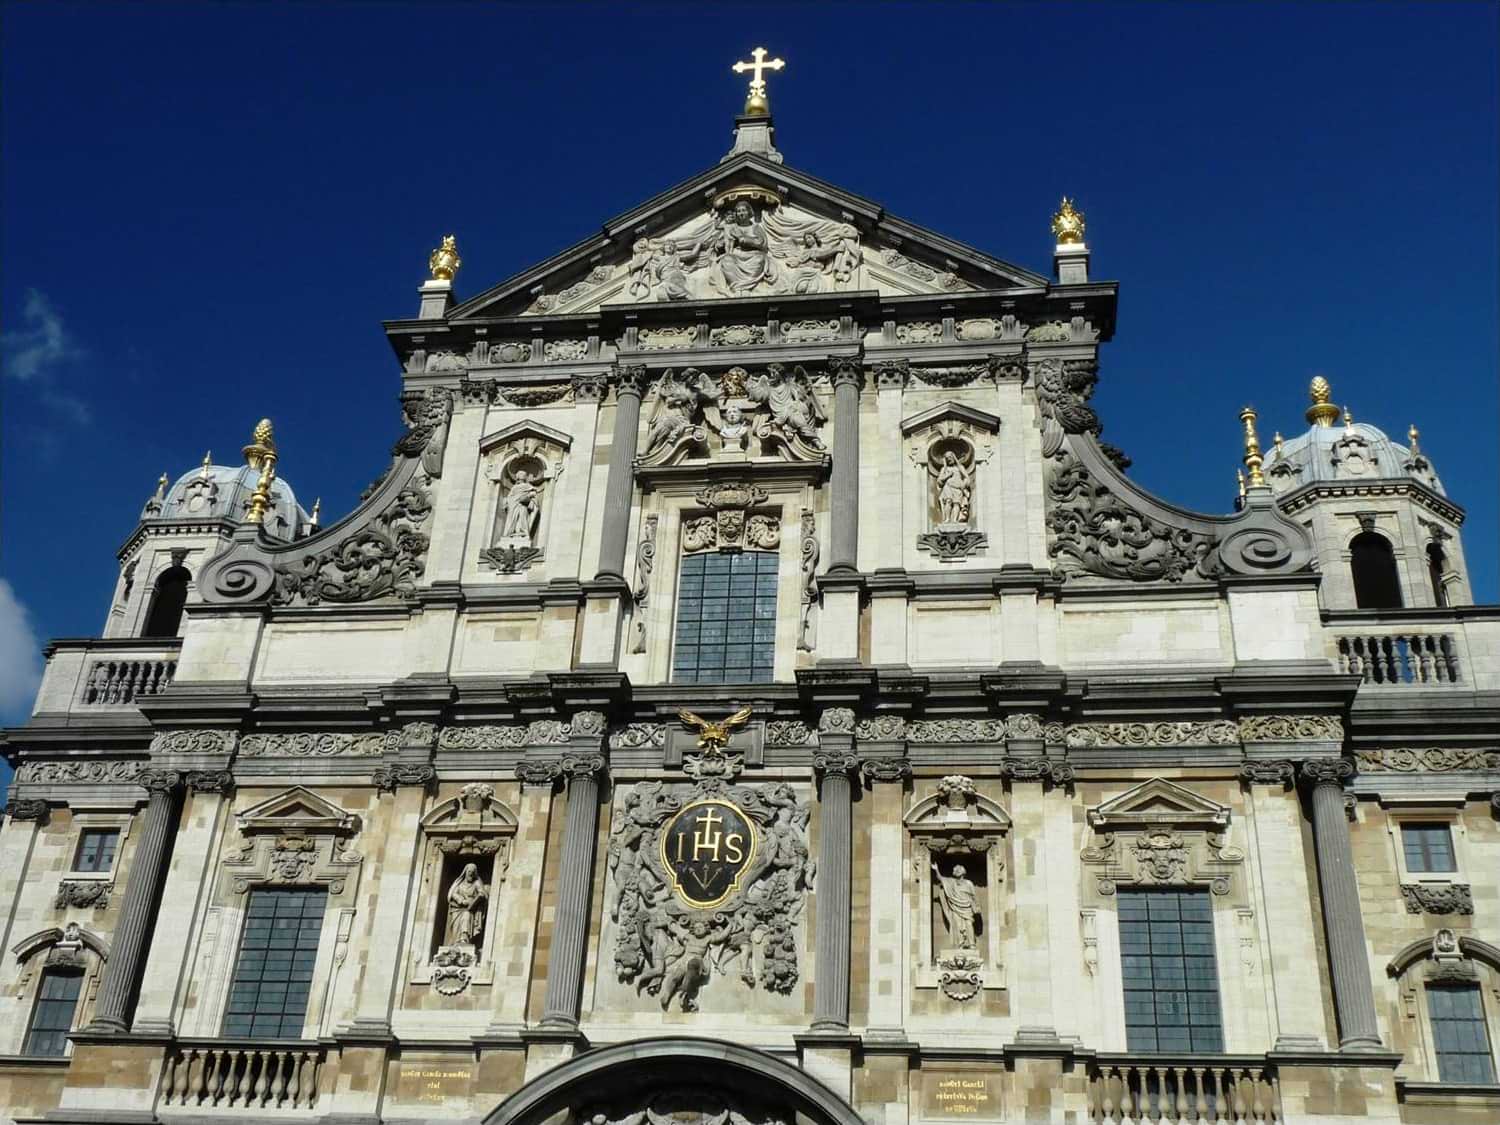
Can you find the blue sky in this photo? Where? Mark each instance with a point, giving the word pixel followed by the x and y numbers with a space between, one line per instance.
pixel 208 209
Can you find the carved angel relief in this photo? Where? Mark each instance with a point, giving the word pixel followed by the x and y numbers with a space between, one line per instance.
pixel 774 413
pixel 740 921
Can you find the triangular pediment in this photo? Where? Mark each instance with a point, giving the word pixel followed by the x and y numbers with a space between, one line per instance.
pixel 746 228
pixel 297 809
pixel 1158 802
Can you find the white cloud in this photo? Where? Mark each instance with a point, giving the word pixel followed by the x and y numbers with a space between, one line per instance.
pixel 41 343
pixel 20 657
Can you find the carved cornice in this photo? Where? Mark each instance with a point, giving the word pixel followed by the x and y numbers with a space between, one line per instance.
pixel 630 379
pixel 580 766
pixel 835 763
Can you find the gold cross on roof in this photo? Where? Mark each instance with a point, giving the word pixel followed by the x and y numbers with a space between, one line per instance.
pixel 757 101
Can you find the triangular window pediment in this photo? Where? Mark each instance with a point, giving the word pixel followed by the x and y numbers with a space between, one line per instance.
pixel 297 809
pixel 1155 803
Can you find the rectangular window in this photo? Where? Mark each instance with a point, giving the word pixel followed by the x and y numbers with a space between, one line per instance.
pixel 1428 848
pixel 52 1018
pixel 96 849
pixel 1171 978
pixel 273 978
pixel 726 618
pixel 1458 1031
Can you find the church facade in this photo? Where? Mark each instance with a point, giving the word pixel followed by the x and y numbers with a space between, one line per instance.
pixel 754 692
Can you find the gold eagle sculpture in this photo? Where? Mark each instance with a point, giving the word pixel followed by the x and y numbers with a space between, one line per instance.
pixel 714 736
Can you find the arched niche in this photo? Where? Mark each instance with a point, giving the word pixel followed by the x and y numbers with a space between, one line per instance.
pixel 168 597
pixel 471 830
pixel 682 1077
pixel 522 463
pixel 1372 565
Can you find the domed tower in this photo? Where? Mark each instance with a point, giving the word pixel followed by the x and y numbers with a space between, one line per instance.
pixel 1386 534
pixel 185 525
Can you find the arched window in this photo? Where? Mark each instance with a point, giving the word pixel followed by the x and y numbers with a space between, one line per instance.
pixel 167 601
pixel 1376 583
pixel 1437 566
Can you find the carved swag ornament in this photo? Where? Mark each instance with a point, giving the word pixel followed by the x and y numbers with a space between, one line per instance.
pixel 670 940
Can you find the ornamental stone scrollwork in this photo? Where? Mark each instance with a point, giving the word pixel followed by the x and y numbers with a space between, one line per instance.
pixel 1437 759
pixel 788 732
pixel 294 837
pixel 20 808
pixel 83 894
pixel 1159 833
pixel 836 720
pixel 811 551
pixel 881 728
pixel 927 731
pixel 587 723
pixel 959 867
pixel 731 523
pixel 89 772
pixel 193 742
pixel 388 778
pixel 1063 388
pixel 1215 732
pixel 645 563
pixel 667 337
pixel 581 765
pixel 483 737
pixel 159 781
pixel 1291 728
pixel 1437 898
pixel 707 884
pixel 1280 772
pixel 687 1105
pixel 637 736
pixel 877 770
pixel 314 744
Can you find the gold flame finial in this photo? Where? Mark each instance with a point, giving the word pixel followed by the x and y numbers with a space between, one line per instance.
pixel 208 462
pixel 444 261
pixel 1253 460
pixel 1276 440
pixel 1068 224
pixel 161 486
pixel 1321 412
pixel 260 454
pixel 758 104
pixel 1411 437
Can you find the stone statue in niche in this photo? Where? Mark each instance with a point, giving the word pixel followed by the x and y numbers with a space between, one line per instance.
pixel 523 511
pixel 950 460
pixel 955 485
pixel 466 902
pixel 959 898
pixel 523 479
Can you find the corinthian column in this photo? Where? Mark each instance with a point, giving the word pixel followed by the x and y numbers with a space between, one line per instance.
pixel 620 487
pixel 122 973
pixel 575 880
pixel 835 818
pixel 847 377
pixel 1348 960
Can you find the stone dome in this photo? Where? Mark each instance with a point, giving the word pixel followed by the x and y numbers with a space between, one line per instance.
pixel 222 492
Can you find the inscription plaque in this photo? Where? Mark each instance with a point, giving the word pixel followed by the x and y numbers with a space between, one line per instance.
pixel 960 1093
pixel 706 849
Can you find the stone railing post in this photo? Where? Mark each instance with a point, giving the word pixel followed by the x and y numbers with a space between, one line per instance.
pixel 848 376
pixel 835 766
pixel 575 877
pixel 619 489
pixel 1348 960
pixel 148 869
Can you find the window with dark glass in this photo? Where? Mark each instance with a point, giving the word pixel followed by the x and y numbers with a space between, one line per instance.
pixel 726 618
pixel 167 602
pixel 1372 562
pixel 52 1018
pixel 96 849
pixel 1428 848
pixel 1458 1032
pixel 273 977
pixel 1171 977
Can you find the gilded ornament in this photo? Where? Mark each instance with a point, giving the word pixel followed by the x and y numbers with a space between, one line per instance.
pixel 1253 459
pixel 1068 224
pixel 757 104
pixel 260 455
pixel 444 261
pixel 1321 412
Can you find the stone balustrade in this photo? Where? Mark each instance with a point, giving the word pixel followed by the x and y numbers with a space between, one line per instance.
pixel 1401 658
pixel 115 682
pixel 242 1074
pixel 1173 1089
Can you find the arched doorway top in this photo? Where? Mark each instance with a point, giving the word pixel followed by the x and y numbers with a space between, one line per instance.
pixel 642 1063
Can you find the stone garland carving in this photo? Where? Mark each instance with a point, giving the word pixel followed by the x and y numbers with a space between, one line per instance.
pixel 193 742
pixel 1216 732
pixel 672 950
pixel 87 772
pixel 563 351
pixel 645 563
pixel 1091 531
pixel 811 551
pixel 1437 898
pixel 749 246
pixel 531 395
pixel 83 893
pixel 1299 728
pixel 737 335
pixel 635 736
pixel 1434 760
pixel 950 378
pixel 955 730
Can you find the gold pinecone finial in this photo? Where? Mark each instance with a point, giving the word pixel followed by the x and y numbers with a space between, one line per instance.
pixel 262 443
pixel 1321 412
pixel 1068 224
pixel 1253 459
pixel 260 454
pixel 444 261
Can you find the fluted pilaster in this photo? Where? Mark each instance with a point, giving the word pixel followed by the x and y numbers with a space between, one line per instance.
pixel 844 483
pixel 835 827
pixel 574 886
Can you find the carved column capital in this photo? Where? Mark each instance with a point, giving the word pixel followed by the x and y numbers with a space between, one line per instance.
pixel 845 369
pixel 18 809
pixel 535 772
pixel 1006 367
pixel 892 374
pixel 210 781
pixel 388 778
pixel 885 769
pixel 1045 770
pixel 576 766
pixel 1279 772
pixel 1327 771
pixel 589 388
pixel 835 764
pixel 630 379
pixel 159 781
